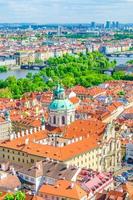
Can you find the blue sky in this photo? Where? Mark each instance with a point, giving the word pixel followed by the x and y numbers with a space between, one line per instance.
pixel 65 11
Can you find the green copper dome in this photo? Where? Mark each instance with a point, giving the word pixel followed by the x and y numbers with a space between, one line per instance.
pixel 61 104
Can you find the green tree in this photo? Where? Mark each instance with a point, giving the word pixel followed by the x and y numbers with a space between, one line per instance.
pixel 5 93
pixel 39 61
pixel 119 75
pixel 3 68
pixel 19 195
pixel 68 81
pixel 84 69
pixel 130 62
pixel 29 75
pixel 9 197
pixel 121 93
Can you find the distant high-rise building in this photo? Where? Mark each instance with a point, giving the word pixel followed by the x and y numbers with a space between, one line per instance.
pixel 59 31
pixel 100 26
pixel 117 24
pixel 93 24
pixel 108 24
pixel 113 25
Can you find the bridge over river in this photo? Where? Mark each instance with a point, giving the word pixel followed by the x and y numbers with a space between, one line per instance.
pixel 118 54
pixel 32 67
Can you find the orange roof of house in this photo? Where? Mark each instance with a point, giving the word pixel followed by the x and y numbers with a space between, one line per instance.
pixel 113 106
pixel 96 91
pixel 116 195
pixel 2 120
pixel 10 182
pixel 63 188
pixel 74 100
pixel 85 109
pixel 90 130
pixel 29 197
pixel 85 128
pixel 129 189
pixel 57 153
pixel 78 89
pixel 86 101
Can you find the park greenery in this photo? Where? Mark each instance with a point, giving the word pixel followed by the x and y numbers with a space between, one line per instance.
pixel 81 36
pixel 16 196
pixel 18 37
pixel 121 36
pixel 83 69
pixel 3 69
pixel 38 61
pixel 130 62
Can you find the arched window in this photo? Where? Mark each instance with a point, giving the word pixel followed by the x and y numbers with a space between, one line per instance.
pixel 71 119
pixel 63 120
pixel 54 120
pixel 50 120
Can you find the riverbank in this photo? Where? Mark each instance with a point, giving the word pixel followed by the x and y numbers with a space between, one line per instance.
pixel 14 68
pixel 20 73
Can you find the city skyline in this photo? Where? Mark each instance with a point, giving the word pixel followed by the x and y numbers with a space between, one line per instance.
pixel 62 11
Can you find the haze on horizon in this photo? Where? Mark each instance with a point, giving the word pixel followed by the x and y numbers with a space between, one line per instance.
pixel 65 11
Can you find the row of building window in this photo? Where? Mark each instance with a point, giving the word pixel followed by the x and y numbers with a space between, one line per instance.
pixel 51 197
pixel 19 153
pixel 27 178
pixel 13 158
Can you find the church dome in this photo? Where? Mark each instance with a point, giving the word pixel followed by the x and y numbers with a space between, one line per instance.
pixel 61 104
pixel 61 109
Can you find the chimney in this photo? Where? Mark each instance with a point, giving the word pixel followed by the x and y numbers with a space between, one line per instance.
pixel 72 185
pixel 69 142
pixel 27 132
pixel 31 130
pixel 12 136
pixel 26 141
pixel 62 144
pixel 35 130
pixel 80 138
pixel 18 134
pixel 22 133
pixel 43 127
pixel 57 186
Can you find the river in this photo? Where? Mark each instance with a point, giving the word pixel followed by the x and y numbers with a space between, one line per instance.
pixel 121 60
pixel 19 73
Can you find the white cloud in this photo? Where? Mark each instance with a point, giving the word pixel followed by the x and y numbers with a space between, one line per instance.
pixel 46 11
